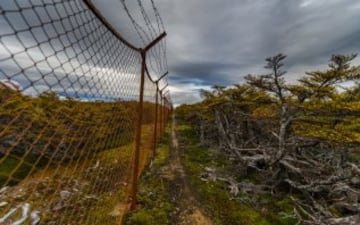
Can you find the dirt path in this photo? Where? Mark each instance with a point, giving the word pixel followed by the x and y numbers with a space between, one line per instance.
pixel 189 212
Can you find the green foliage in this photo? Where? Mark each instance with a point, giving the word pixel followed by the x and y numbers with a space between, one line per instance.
pixel 62 122
pixel 321 84
pixel 314 108
pixel 142 218
pixel 19 170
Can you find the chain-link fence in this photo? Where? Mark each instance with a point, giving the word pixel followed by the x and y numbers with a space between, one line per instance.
pixel 81 110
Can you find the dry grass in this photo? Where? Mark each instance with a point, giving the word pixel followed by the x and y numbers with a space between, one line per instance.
pixel 98 188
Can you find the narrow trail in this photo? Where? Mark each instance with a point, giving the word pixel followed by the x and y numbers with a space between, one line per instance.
pixel 189 212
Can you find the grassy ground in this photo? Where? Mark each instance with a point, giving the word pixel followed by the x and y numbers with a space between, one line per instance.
pixel 214 196
pixel 18 170
pixel 155 206
pixel 99 186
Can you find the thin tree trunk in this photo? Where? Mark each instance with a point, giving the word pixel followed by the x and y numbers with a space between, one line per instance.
pixel 221 130
pixel 284 124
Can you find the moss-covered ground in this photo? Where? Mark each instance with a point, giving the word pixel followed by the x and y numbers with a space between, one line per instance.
pixel 154 201
pixel 214 196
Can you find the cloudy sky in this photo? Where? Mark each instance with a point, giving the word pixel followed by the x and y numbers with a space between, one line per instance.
pixel 219 42
pixel 209 41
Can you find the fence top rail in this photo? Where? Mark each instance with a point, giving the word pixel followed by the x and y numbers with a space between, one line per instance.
pixel 152 80
pixel 98 14
pixel 160 78
pixel 103 20
pixel 162 89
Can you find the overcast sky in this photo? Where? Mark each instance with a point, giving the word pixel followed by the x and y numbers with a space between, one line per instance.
pixel 220 41
pixel 209 41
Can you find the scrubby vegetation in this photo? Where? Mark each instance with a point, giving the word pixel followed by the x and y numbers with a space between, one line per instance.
pixel 297 144
pixel 65 160
pixel 207 169
pixel 45 129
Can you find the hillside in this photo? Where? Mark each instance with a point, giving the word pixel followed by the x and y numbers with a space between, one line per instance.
pixel 67 160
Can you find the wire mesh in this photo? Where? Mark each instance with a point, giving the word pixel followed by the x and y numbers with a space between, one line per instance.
pixel 69 91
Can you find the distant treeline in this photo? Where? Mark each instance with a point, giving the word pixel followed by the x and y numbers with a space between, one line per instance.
pixel 266 110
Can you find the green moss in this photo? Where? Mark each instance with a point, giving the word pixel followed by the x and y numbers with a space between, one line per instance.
pixel 18 169
pixel 140 218
pixel 285 203
pixel 354 157
pixel 153 193
pixel 334 211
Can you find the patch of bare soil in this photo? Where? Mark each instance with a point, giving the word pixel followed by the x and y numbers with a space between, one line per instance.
pixel 189 212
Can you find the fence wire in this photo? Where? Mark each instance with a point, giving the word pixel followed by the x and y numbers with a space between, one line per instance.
pixel 69 97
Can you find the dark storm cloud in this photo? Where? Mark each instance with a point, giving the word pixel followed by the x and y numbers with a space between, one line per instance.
pixel 244 33
pixel 218 42
pixel 205 73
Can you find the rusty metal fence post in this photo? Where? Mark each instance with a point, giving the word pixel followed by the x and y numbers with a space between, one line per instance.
pixel 156 118
pixel 162 112
pixel 139 120
pixel 156 112
pixel 165 112
pixel 138 132
pixel 163 115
